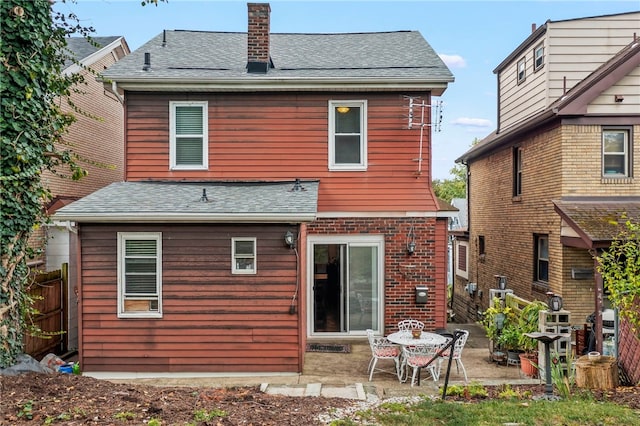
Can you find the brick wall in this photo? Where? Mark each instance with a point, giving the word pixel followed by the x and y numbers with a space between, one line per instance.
pixel 558 161
pixel 402 271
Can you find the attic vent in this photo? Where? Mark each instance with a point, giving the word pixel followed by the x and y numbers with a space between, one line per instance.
pixel 147 62
pixel 581 273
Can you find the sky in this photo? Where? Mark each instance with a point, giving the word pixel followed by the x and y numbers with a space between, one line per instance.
pixel 472 37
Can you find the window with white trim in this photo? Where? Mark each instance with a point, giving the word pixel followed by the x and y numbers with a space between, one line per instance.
pixel 139 274
pixel 462 259
pixel 616 153
pixel 517 171
pixel 538 57
pixel 347 135
pixel 522 70
pixel 541 272
pixel 244 257
pixel 188 148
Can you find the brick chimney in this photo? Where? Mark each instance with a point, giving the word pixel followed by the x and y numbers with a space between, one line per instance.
pixel 258 38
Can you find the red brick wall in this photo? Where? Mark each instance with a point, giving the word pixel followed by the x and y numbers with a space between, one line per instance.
pixel 402 271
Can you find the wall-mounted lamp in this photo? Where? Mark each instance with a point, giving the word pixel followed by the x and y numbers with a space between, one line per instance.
pixel 290 239
pixel 618 98
pixel 343 109
pixel 411 241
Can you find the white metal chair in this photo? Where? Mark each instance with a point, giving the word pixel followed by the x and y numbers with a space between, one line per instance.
pixel 418 357
pixel 382 348
pixel 457 354
pixel 410 324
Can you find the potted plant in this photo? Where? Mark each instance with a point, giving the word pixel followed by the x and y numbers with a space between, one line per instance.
pixel 528 321
pixel 509 340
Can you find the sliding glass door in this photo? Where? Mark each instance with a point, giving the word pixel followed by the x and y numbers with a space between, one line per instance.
pixel 345 284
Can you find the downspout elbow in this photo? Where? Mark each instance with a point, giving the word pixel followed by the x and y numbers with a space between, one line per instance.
pixel 114 90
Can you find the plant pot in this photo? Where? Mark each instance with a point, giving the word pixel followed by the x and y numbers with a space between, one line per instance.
pixel 513 357
pixel 529 364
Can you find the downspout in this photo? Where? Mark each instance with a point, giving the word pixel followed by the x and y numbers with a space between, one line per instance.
pixel 114 90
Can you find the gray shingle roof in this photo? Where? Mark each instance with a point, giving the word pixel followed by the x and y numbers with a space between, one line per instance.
pixel 80 48
pixel 201 55
pixel 181 202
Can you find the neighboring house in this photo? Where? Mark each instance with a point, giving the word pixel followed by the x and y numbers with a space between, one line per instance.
pixel 236 142
pixel 97 137
pixel 563 162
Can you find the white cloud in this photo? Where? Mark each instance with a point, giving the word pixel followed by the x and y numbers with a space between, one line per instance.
pixel 472 122
pixel 453 61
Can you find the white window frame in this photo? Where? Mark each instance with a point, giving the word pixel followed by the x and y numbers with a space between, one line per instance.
pixel 539 258
pixel 538 57
pixel 204 135
pixel 625 153
pixel 235 257
pixel 362 165
pixel 464 273
pixel 521 70
pixel 122 238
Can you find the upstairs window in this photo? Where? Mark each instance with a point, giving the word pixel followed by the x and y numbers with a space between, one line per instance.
pixel 347 135
pixel 189 140
pixel 243 255
pixel 541 255
pixel 538 57
pixel 139 274
pixel 522 70
pixel 517 171
pixel 616 153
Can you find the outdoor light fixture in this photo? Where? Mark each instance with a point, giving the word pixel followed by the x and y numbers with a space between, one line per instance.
pixel 411 241
pixel 555 301
pixel 290 239
pixel 343 109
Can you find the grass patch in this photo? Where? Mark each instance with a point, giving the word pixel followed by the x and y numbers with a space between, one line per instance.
pixel 570 412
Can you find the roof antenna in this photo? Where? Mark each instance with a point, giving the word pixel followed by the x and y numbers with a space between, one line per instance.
pixel 297 186
pixel 164 38
pixel 204 198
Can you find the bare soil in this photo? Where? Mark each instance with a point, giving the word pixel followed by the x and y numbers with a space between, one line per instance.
pixel 30 399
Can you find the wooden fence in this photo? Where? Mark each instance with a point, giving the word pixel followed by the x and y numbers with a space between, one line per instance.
pixel 50 293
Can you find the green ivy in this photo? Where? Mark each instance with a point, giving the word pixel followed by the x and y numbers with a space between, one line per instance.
pixel 32 88
pixel 619 267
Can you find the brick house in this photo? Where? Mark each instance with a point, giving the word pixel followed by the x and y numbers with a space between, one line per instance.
pixel 274 194
pixel 97 138
pixel 561 163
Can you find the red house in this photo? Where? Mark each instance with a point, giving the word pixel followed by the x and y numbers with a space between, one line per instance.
pixel 277 191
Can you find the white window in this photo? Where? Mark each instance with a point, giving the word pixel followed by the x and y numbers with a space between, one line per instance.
pixel 243 253
pixel 541 273
pixel 538 57
pixel 615 153
pixel 140 274
pixel 347 135
pixel 522 70
pixel 462 259
pixel 189 140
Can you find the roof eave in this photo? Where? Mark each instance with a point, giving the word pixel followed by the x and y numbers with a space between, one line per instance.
pixel 149 217
pixel 436 86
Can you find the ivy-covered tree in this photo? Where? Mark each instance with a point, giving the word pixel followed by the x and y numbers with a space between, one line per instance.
pixel 456 187
pixel 32 127
pixel 619 267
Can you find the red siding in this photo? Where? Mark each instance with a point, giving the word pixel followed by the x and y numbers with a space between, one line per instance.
pixel 213 321
pixel 285 136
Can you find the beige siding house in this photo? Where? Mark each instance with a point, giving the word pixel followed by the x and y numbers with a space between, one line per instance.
pixel 564 159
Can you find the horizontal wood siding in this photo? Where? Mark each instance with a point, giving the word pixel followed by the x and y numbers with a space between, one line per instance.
pixel 275 136
pixel 213 321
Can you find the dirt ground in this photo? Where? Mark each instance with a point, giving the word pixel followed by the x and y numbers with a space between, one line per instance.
pixel 68 399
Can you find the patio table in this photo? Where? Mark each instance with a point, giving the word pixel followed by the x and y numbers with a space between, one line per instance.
pixel 405 338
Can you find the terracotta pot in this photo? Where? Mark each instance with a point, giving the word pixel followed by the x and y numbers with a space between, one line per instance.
pixel 528 364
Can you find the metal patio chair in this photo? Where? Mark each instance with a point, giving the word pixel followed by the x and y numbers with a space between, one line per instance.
pixel 382 348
